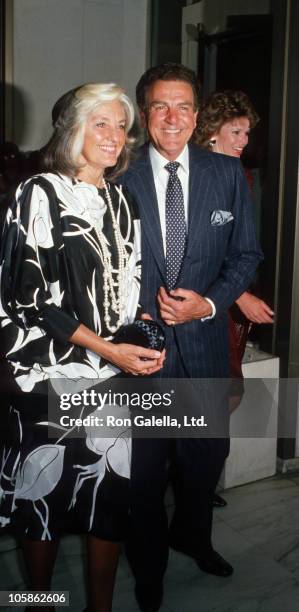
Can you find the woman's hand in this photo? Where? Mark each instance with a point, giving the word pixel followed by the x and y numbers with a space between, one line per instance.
pixel 131 358
pixel 254 309
pixel 127 357
pixel 146 317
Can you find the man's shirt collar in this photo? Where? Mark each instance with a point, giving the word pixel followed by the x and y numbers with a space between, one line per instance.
pixel 158 161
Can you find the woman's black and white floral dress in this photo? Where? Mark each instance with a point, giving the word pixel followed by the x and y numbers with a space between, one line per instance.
pixel 51 281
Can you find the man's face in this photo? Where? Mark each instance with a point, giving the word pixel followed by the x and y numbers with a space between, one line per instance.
pixel 170 116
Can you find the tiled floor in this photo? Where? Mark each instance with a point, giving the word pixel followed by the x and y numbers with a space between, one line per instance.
pixel 258 532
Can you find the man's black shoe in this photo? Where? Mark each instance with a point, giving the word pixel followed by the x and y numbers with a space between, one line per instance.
pixel 211 562
pixel 218 501
pixel 149 597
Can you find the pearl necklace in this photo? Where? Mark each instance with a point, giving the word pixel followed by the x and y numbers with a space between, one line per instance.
pixel 114 289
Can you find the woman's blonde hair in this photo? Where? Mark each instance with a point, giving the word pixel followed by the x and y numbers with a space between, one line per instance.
pixel 69 116
pixel 220 108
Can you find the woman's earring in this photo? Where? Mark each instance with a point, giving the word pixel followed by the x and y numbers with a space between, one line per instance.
pixel 212 142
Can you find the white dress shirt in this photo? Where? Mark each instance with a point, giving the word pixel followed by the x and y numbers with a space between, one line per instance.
pixel 161 176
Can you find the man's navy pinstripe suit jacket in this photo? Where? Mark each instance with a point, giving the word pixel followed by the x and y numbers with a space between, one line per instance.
pixel 220 260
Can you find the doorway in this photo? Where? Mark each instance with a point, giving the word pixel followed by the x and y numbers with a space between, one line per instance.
pixel 248 55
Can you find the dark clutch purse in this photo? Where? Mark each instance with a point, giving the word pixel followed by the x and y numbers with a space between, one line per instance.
pixel 145 333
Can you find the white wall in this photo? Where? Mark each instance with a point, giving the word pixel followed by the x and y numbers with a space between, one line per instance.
pixel 59 44
pixel 254 458
pixel 213 14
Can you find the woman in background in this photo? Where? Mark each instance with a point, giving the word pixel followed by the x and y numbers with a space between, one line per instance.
pixel 224 126
pixel 70 279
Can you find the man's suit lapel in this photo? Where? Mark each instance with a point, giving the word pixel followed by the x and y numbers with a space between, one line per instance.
pixel 148 206
pixel 199 187
pixel 140 180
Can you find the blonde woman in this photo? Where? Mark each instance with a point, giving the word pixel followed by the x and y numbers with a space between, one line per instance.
pixel 70 279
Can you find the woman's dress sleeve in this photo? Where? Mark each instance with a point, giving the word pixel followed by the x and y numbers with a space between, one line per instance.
pixel 34 275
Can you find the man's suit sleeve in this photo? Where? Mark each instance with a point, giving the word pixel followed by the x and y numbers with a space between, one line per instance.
pixel 243 252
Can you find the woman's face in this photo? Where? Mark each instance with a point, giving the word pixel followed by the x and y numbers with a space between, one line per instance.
pixel 232 137
pixel 104 137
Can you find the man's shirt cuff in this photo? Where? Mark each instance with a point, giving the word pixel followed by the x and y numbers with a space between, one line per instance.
pixel 211 316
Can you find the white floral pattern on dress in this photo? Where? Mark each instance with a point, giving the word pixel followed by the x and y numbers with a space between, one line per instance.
pixel 52 279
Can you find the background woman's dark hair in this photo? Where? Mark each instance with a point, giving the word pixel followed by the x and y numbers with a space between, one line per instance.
pixel 62 104
pixel 220 108
pixel 166 72
pixel 69 116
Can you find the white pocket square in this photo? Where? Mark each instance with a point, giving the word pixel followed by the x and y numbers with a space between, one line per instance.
pixel 220 217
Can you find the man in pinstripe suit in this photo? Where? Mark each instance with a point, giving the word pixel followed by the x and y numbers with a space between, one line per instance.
pixel 219 262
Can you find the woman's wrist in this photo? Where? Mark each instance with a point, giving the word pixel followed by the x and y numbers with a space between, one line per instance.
pixel 242 298
pixel 89 340
pixel 106 349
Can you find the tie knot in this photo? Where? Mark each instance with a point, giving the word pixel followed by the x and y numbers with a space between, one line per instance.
pixel 172 167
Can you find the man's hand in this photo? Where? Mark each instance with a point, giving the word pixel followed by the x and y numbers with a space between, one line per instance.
pixel 254 309
pixel 192 306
